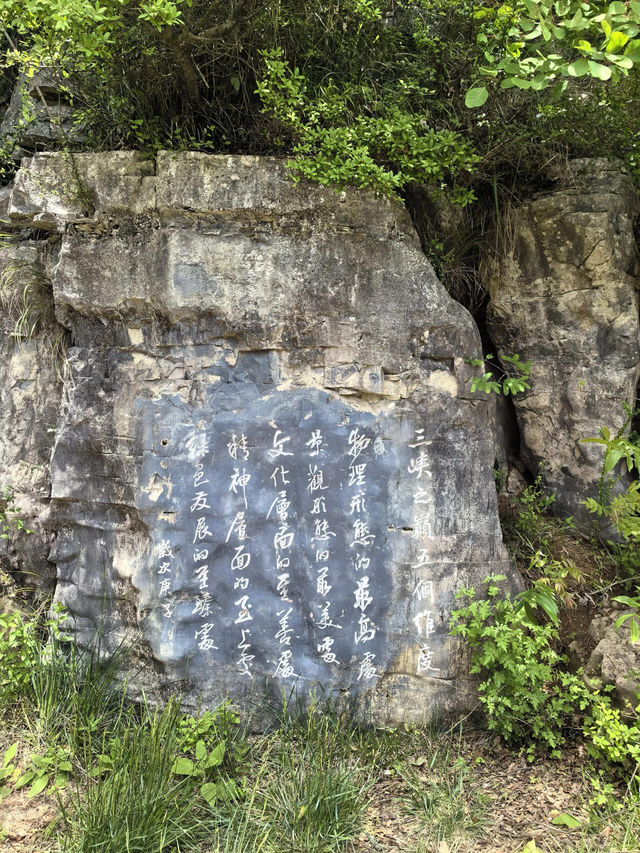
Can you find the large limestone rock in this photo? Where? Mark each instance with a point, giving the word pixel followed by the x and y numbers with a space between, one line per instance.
pixel 31 363
pixel 269 471
pixel 563 295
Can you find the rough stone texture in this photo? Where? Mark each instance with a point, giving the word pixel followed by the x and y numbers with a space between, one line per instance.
pixel 38 114
pixel 615 660
pixel 30 390
pixel 563 295
pixel 209 297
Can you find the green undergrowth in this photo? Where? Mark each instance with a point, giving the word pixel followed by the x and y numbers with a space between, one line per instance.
pixel 127 776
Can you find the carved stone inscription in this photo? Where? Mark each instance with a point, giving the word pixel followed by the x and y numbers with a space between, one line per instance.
pixel 276 533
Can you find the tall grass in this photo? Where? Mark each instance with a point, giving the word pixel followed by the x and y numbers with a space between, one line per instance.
pixel 139 806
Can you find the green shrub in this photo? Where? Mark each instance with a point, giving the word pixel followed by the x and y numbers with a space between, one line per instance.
pixel 528 698
pixel 20 650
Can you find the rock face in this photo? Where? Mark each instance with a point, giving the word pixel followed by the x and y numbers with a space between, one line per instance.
pixel 563 295
pixel 31 347
pixel 268 467
pixel 615 660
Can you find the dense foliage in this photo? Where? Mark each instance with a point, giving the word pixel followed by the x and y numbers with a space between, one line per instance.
pixel 359 91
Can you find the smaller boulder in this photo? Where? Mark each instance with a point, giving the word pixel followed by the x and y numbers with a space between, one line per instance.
pixel 615 660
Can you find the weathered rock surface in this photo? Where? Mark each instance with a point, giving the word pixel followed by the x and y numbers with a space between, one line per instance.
pixel 39 114
pixel 268 467
pixel 30 390
pixel 615 660
pixel 563 295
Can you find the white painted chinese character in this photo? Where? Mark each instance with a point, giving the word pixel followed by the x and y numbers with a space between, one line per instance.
pixel 241 583
pixel 321 532
pixel 205 643
pixel 282 562
pixel 361 535
pixel 164 549
pixel 424 589
pixel 202 531
pixel 366 630
pixel 200 501
pixel 240 479
pixel 164 568
pixel 315 479
pixel 357 474
pixel 165 586
pixel 239 526
pixel 278 445
pixel 324 650
pixel 425 661
pixel 283 635
pixel 281 473
pixel 283 538
pixel 367 669
pixel 198 444
pixel 422 496
pixel 284 668
pixel 202 554
pixel 424 623
pixel 238 446
pixel 378 446
pixel 420 440
pixel 245 658
pixel 361 563
pixel 240 560
pixel 322 556
pixel 202 576
pixel 319 506
pixel 315 443
pixel 423 559
pixel 325 620
pixel 283 586
pixel 361 594
pixel 198 476
pixel 420 464
pixel 421 526
pixel 282 505
pixel 357 443
pixel 358 503
pixel 168 608
pixel 245 606
pixel 203 605
pixel 322 586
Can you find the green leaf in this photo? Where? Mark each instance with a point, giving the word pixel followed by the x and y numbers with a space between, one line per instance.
pixel 634 630
pixel 209 791
pixel 235 82
pixel 599 71
pixel 567 820
pixel 578 68
pixel 216 756
pixel 25 779
pixel 476 97
pixel 10 754
pixel 201 750
pixel 183 767
pixel 616 42
pixel 39 785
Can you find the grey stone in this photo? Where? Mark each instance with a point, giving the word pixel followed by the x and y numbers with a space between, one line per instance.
pixel 563 295
pixel 211 298
pixel 615 660
pixel 30 391
pixel 39 114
